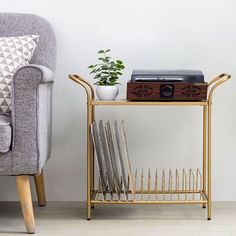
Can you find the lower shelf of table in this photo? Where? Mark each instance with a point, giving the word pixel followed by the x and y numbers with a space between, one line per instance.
pixel 160 197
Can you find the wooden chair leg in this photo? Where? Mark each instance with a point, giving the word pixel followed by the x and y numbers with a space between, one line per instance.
pixel 23 187
pixel 40 189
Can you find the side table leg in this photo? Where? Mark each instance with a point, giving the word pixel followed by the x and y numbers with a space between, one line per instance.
pixel 89 144
pixel 92 158
pixel 204 151
pixel 209 162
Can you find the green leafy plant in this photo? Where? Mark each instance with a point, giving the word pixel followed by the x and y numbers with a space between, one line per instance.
pixel 107 72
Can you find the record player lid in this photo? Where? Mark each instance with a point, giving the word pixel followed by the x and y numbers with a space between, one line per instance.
pixel 167 76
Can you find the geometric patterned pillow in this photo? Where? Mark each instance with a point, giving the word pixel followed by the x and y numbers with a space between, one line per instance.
pixel 15 52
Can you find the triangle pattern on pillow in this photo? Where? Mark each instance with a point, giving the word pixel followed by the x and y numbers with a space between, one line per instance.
pixel 15 52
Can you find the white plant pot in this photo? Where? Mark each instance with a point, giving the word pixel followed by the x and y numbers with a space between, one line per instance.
pixel 107 93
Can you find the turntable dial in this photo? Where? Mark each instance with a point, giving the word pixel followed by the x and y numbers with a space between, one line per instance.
pixel 167 91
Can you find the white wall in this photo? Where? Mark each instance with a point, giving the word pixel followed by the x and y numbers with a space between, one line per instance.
pixel 144 34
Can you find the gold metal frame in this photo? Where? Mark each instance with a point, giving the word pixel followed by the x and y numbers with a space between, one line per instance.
pixel 201 183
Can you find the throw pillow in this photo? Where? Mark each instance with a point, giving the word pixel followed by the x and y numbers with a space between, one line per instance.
pixel 15 52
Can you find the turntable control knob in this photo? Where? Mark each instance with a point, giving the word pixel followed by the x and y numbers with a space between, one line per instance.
pixel 167 91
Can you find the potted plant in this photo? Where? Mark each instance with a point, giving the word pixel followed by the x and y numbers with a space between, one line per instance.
pixel 107 73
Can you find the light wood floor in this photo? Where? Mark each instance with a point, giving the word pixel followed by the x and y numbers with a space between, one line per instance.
pixel 68 218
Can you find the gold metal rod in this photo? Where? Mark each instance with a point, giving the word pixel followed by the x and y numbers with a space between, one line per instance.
pixel 156 184
pixel 161 192
pixel 197 180
pixel 79 78
pixel 190 177
pixel 177 182
pixel 149 202
pixel 170 184
pixel 223 78
pixel 92 152
pixel 218 78
pixel 128 182
pixel 88 162
pixel 139 191
pixel 88 88
pixel 90 97
pixel 201 184
pixel 209 162
pixel 163 184
pixel 89 144
pixel 149 183
pixel 204 148
pixel 204 196
pixel 93 118
pixel 142 185
pixel 193 186
pixel 185 185
pixel 215 79
pixel 149 103
pixel 135 182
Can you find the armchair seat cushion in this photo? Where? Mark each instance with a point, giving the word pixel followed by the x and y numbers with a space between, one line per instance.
pixel 5 133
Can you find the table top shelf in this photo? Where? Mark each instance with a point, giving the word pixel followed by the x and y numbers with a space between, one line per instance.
pixel 124 102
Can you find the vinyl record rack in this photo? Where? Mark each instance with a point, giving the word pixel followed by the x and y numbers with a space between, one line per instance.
pixel 163 186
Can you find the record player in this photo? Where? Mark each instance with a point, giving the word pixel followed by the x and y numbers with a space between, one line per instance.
pixel 164 85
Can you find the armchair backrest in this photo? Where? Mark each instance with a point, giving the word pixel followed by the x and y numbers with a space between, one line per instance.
pixel 17 24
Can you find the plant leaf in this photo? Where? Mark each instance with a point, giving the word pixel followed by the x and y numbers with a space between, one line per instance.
pixel 119 61
pixel 119 66
pixel 92 71
pixel 101 51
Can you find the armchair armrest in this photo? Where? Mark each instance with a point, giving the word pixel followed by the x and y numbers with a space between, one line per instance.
pixel 31 118
pixel 28 72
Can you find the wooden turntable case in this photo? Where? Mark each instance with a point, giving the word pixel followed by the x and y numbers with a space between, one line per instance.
pixel 151 91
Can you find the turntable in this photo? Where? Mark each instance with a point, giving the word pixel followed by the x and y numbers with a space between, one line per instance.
pixel 165 85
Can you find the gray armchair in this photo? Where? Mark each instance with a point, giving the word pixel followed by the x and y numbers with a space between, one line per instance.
pixel 30 119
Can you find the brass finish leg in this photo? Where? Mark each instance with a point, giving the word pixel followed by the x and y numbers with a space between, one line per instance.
pixel 23 187
pixel 90 152
pixel 89 157
pixel 209 205
pixel 204 150
pixel 92 158
pixel 215 82
pixel 40 189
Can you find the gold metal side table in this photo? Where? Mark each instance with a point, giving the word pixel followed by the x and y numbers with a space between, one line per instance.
pixel 188 189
